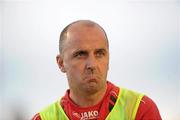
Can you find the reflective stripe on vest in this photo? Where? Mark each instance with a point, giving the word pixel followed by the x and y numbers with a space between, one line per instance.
pixel 125 108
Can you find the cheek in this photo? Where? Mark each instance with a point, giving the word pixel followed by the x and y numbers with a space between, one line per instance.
pixel 104 63
pixel 74 69
pixel 104 67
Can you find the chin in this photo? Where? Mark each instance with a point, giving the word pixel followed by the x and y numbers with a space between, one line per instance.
pixel 92 88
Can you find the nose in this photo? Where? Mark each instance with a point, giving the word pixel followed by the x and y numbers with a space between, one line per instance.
pixel 91 64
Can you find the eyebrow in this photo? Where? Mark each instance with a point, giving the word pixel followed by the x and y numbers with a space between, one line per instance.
pixel 78 50
pixel 81 50
pixel 101 50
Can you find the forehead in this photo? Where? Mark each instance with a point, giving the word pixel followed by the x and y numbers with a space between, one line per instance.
pixel 85 37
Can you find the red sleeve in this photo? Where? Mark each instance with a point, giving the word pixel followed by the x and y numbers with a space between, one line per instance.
pixel 36 117
pixel 148 110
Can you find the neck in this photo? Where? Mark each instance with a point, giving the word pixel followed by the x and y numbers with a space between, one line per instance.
pixel 84 99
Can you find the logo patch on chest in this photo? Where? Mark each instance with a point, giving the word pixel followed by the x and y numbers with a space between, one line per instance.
pixel 86 115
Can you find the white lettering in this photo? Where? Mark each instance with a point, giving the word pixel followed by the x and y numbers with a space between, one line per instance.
pixel 89 115
pixel 96 113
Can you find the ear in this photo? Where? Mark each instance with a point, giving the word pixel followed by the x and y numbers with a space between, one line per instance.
pixel 60 63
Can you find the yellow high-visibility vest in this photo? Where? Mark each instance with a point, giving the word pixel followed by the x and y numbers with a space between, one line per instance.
pixel 125 108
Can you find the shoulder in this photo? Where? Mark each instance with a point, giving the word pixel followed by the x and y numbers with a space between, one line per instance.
pixel 36 117
pixel 51 107
pixel 145 106
pixel 129 95
pixel 148 109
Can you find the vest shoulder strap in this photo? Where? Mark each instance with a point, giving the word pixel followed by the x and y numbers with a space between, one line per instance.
pixel 53 112
pixel 126 105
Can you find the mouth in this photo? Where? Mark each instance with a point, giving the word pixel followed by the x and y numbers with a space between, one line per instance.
pixel 91 79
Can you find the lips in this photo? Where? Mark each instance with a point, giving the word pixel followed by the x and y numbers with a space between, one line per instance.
pixel 91 79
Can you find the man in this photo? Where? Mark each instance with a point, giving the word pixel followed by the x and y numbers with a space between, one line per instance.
pixel 84 57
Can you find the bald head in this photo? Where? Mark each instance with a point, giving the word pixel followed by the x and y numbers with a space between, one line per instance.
pixel 78 26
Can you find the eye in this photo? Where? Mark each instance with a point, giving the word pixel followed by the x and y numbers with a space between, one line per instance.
pixel 100 53
pixel 80 54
